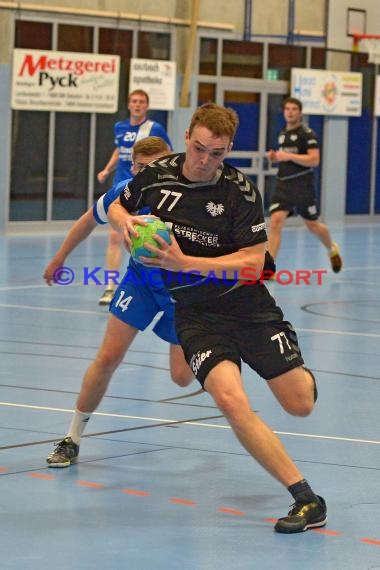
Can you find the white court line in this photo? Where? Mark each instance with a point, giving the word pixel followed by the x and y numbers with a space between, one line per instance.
pixel 344 333
pixel 64 310
pixel 43 285
pixel 197 424
pixel 52 309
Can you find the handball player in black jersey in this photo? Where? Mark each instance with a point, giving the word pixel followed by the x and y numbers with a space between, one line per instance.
pixel 224 312
pixel 297 154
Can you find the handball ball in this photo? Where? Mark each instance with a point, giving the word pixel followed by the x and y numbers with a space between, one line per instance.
pixel 146 236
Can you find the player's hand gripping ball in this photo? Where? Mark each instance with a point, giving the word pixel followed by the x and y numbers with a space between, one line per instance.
pixel 146 236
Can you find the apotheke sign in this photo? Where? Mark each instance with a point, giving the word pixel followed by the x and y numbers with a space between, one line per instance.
pixel 158 78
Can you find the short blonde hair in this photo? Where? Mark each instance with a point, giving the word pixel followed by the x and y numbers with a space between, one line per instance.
pixel 217 119
pixel 150 146
pixel 139 92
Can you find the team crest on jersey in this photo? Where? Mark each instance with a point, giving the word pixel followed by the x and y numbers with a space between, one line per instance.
pixel 214 209
pixel 293 137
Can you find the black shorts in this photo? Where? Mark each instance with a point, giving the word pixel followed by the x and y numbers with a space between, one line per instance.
pixel 208 337
pixel 296 194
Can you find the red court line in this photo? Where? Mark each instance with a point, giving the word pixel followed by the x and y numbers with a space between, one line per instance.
pixel 137 493
pixel 89 484
pixel 186 502
pixel 370 541
pixel 181 501
pixel 231 511
pixel 326 531
pixel 41 476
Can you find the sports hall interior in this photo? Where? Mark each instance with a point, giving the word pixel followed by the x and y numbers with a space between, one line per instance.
pixel 161 482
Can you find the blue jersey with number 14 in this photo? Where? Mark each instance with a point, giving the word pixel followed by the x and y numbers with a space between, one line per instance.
pixel 141 294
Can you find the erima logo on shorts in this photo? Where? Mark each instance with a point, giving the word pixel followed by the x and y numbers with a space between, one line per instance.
pixel 198 359
pixel 258 227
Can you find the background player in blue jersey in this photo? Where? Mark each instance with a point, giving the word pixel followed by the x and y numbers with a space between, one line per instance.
pixel 146 297
pixel 218 226
pixel 144 152
pixel 297 155
pixel 126 134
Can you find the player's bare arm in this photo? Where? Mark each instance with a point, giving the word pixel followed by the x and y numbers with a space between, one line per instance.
pixel 78 232
pixel 310 159
pixel 109 168
pixel 172 258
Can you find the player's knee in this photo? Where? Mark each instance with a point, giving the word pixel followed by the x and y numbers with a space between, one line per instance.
pixel 107 362
pixel 302 407
pixel 276 223
pixel 182 377
pixel 312 226
pixel 180 371
pixel 230 404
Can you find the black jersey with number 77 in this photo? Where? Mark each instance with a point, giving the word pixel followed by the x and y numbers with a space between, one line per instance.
pixel 208 219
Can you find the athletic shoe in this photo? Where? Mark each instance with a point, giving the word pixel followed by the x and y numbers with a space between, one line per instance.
pixel 335 259
pixel 107 297
pixel 64 454
pixel 303 516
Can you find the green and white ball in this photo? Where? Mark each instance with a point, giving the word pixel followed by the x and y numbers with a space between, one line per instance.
pixel 146 236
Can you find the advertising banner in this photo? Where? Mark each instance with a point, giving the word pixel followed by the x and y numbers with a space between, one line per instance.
pixel 65 81
pixel 328 92
pixel 158 78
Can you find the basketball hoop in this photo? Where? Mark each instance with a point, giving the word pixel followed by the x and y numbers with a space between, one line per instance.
pixel 372 45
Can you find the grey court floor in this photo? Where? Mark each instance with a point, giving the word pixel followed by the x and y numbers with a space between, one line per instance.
pixel 162 484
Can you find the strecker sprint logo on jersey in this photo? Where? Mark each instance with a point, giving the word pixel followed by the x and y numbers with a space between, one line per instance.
pixel 198 359
pixel 214 209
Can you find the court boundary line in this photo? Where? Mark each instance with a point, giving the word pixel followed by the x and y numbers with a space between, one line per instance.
pixel 167 421
pixel 97 313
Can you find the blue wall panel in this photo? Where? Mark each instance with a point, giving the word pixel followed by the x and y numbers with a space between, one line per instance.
pixel 359 164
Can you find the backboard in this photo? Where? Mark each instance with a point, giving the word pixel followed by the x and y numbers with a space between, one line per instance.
pixel 346 18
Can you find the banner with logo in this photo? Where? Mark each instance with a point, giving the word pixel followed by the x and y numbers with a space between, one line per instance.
pixel 158 78
pixel 328 92
pixel 65 81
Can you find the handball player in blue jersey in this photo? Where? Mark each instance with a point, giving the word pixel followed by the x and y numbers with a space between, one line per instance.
pixel 136 303
pixel 126 134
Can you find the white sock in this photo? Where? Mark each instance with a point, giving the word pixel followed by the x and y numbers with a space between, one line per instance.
pixel 78 424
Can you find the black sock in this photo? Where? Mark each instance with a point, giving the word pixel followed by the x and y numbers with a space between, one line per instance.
pixel 302 492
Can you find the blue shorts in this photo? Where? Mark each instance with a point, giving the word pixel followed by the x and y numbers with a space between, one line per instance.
pixel 137 302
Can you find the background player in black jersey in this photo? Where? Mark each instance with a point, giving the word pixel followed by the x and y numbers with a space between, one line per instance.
pixel 297 155
pixel 218 229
